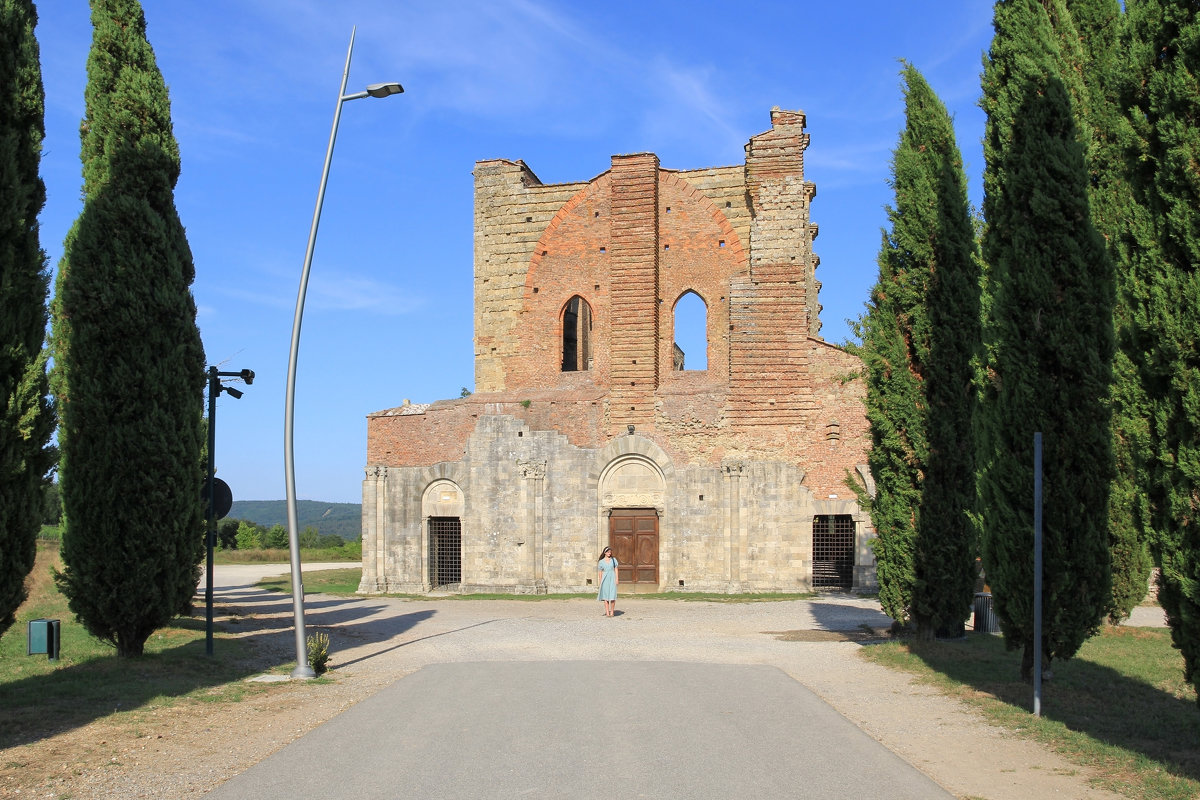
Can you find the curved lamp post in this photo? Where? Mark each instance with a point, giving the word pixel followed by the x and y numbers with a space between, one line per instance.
pixel 303 670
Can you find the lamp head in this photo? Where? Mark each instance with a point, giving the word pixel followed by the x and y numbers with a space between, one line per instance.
pixel 248 376
pixel 384 89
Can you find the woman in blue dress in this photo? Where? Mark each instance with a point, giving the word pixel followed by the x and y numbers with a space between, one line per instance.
pixel 606 571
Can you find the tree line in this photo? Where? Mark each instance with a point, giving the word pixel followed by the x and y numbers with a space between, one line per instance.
pixel 241 534
pixel 1070 307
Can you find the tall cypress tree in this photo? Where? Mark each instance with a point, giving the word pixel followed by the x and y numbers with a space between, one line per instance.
pixel 1048 336
pixel 1163 89
pixel 129 366
pixel 919 338
pixel 1099 24
pixel 26 417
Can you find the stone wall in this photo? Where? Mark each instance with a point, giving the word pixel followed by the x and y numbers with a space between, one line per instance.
pixel 534 516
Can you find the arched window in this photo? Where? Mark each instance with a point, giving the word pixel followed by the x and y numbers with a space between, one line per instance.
pixel 691 332
pixel 577 335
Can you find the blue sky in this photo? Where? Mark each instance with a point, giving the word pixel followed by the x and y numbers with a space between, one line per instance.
pixel 561 85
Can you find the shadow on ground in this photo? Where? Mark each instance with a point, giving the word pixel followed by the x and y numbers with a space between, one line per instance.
pixel 1084 696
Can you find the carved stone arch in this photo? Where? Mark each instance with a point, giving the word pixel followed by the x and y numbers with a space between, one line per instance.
pixel 631 445
pixel 442 498
pixel 632 481
pixel 453 471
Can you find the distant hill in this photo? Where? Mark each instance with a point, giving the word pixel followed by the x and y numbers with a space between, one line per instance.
pixel 340 519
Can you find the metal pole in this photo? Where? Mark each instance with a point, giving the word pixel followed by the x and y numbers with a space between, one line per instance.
pixel 214 389
pixel 1037 574
pixel 303 670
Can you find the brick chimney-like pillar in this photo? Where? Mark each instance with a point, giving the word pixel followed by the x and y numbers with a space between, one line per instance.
pixel 634 277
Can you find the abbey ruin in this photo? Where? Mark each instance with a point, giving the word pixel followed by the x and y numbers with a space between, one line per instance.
pixel 587 426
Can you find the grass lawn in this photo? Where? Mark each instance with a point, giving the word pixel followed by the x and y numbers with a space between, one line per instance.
pixel 1120 707
pixel 345 582
pixel 39 697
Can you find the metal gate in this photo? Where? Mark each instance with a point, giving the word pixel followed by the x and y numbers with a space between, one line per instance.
pixel 833 552
pixel 445 551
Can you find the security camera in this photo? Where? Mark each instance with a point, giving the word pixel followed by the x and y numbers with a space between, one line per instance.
pixel 237 393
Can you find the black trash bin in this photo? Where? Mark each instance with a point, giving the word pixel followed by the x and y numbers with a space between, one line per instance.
pixel 985 614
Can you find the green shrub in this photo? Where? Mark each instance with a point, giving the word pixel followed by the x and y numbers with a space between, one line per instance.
pixel 276 538
pixel 247 537
pixel 318 652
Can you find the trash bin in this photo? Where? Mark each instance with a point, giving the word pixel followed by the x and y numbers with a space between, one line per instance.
pixel 985 614
pixel 43 637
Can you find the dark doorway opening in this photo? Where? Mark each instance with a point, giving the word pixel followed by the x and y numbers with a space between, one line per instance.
pixel 833 552
pixel 445 552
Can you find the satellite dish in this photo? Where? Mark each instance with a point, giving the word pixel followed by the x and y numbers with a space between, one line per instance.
pixel 222 498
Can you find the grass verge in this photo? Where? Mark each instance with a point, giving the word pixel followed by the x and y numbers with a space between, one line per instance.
pixel 1120 707
pixel 350 554
pixel 39 697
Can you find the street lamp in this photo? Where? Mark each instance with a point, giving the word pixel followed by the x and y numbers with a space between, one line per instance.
pixel 303 670
pixel 212 486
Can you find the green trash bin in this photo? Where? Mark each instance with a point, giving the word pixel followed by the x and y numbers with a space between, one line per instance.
pixel 43 637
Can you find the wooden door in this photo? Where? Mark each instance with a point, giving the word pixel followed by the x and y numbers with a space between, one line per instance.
pixel 633 536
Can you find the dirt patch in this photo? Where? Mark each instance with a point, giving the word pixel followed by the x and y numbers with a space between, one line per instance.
pixel 864 634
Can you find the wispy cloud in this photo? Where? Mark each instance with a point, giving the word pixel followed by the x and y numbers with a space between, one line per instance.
pixel 332 289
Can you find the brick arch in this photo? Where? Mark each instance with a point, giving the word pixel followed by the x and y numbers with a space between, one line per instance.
pixel 675 322
pixel 601 184
pixel 696 261
pixel 674 180
pixel 569 260
pixel 684 293
pixel 580 352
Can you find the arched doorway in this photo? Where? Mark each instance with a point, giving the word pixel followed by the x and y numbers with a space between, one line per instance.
pixel 632 492
pixel 442 509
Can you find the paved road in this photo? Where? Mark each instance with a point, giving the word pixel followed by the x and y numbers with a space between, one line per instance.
pixel 551 699
pixel 510 698
pixel 586 729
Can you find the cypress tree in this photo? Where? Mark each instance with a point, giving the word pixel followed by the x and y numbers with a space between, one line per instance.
pixel 129 365
pixel 1048 337
pixel 26 416
pixel 1163 90
pixel 1099 24
pixel 919 338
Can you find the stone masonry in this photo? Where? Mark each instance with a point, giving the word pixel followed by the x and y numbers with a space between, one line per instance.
pixel 583 432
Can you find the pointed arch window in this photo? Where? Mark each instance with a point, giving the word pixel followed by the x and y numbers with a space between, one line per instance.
pixel 691 332
pixel 576 335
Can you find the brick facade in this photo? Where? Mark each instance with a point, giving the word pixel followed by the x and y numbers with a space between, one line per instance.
pixel 579 409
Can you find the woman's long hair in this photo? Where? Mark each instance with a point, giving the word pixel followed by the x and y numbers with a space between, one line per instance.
pixel 602 552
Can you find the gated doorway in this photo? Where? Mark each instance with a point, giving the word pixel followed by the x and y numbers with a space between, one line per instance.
pixel 633 536
pixel 833 552
pixel 445 552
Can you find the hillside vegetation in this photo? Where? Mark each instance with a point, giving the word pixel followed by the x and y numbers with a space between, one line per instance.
pixel 339 519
